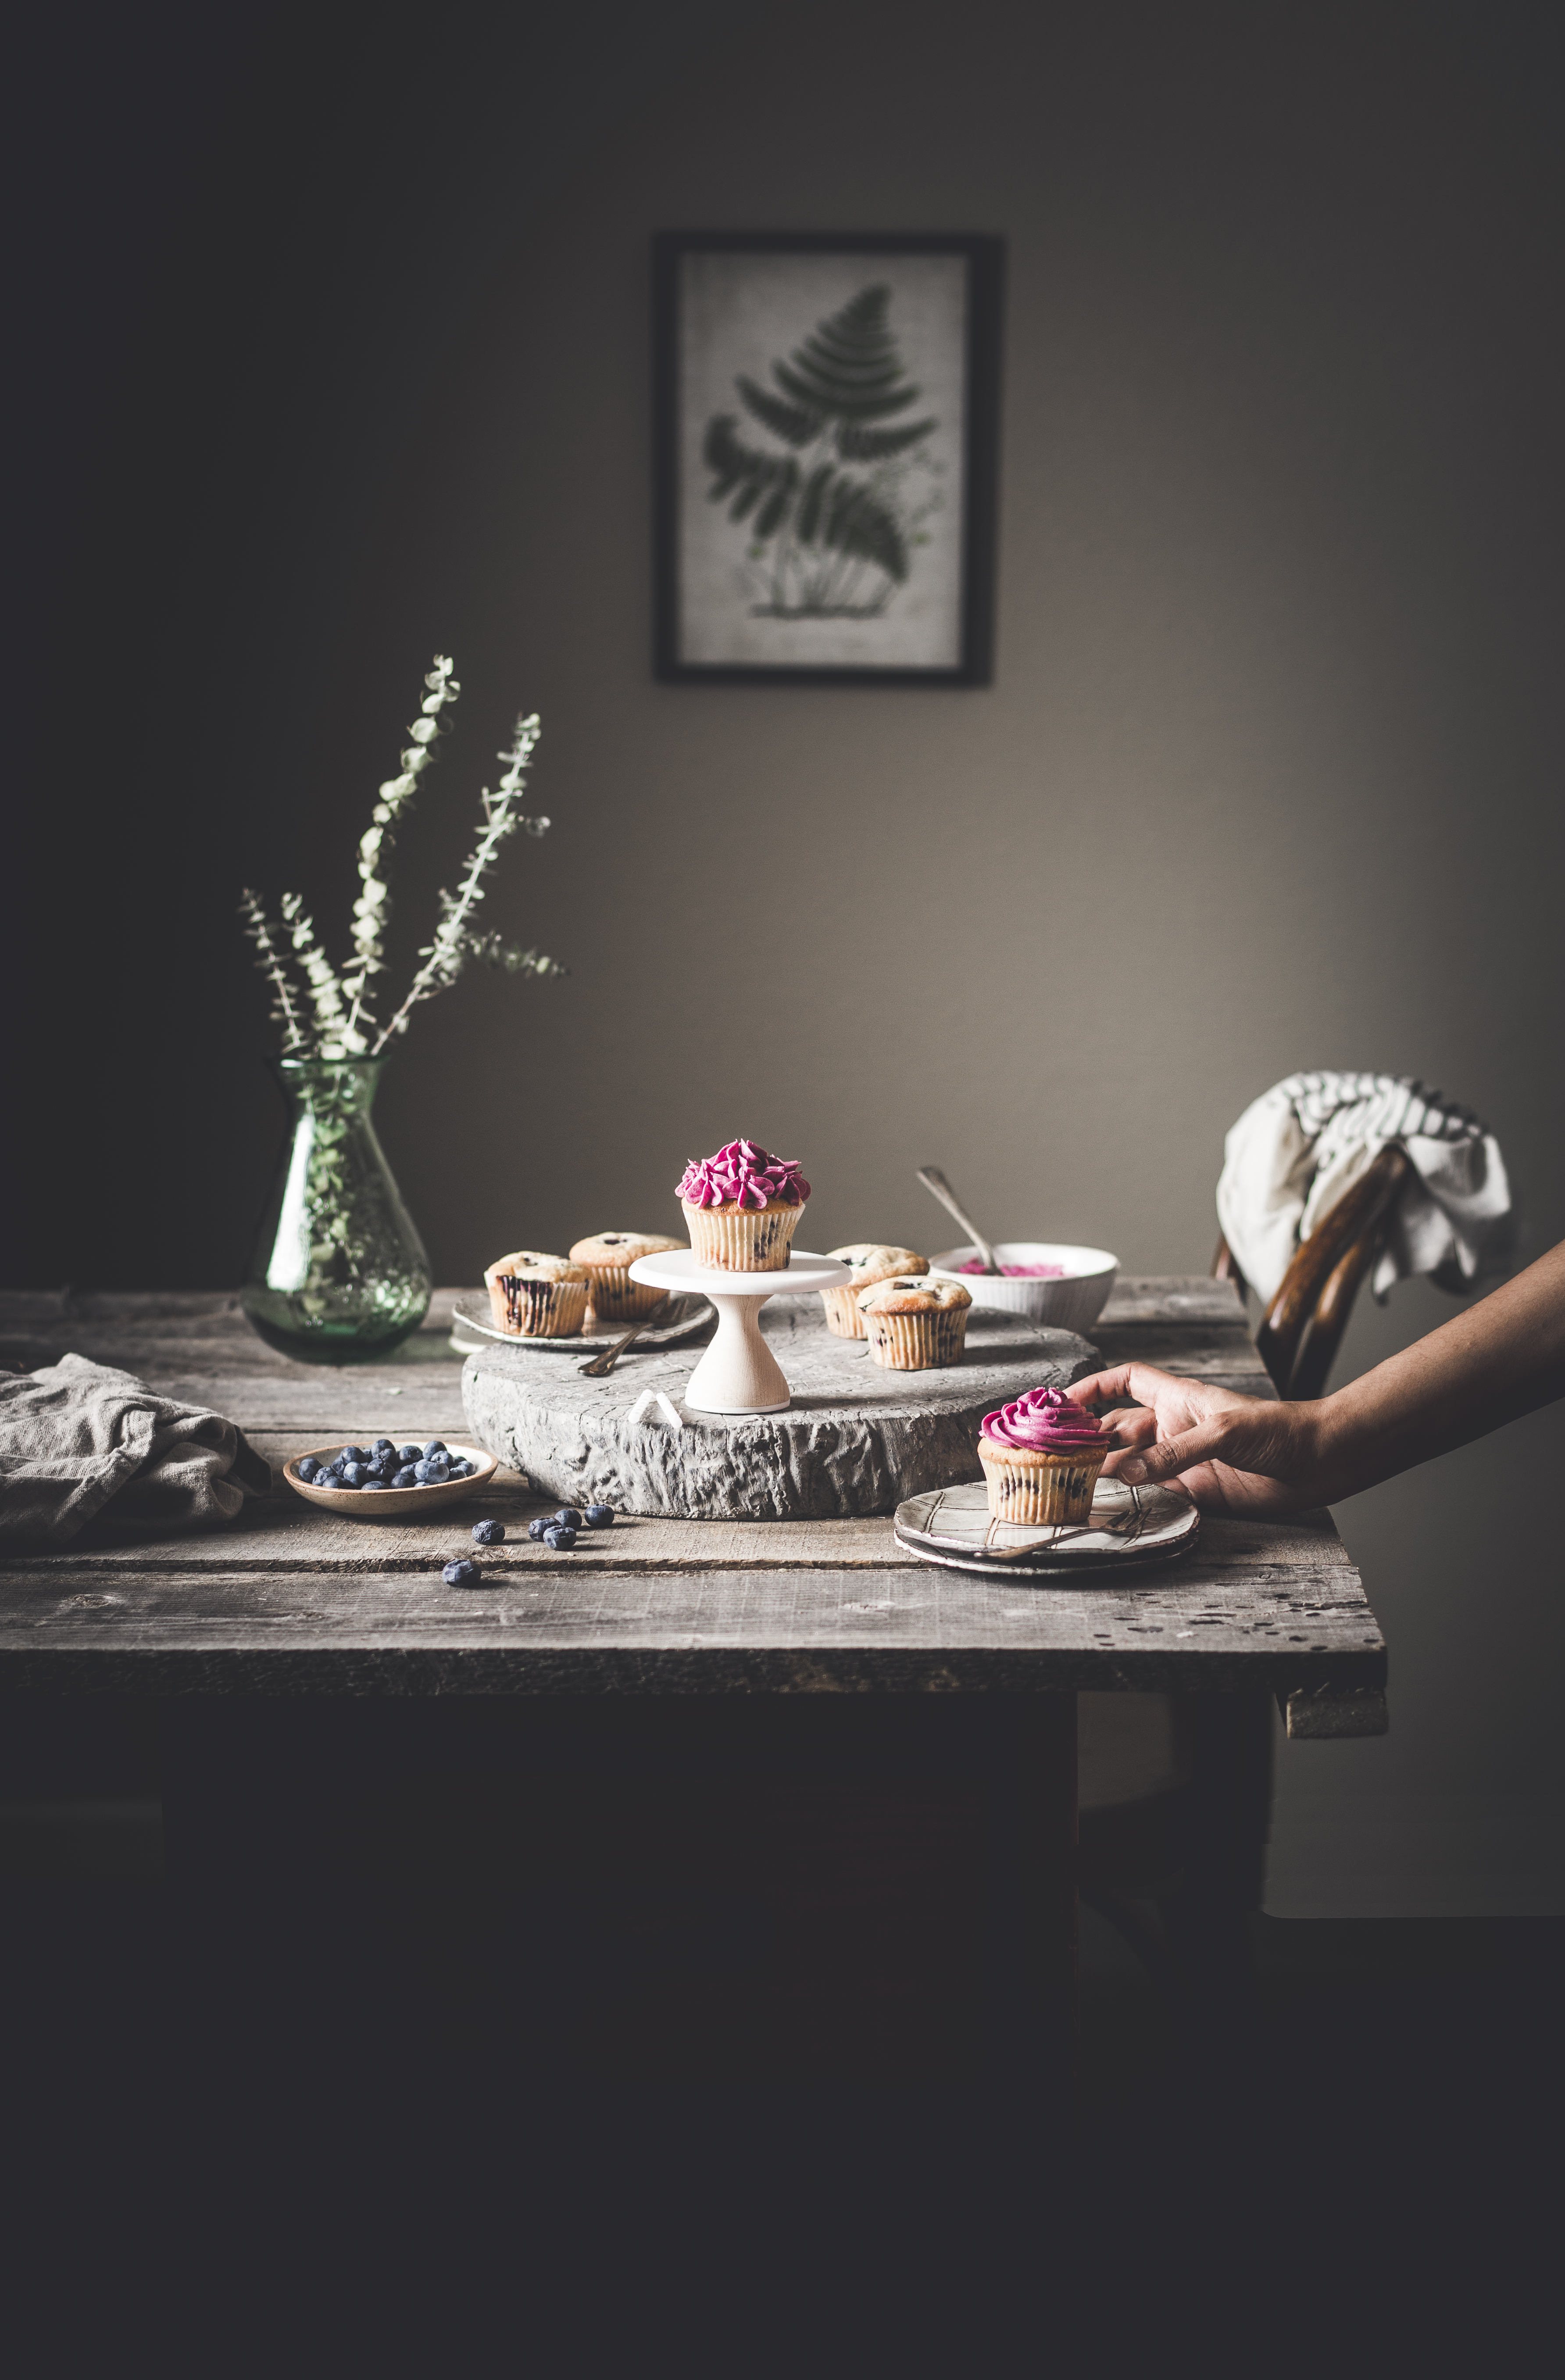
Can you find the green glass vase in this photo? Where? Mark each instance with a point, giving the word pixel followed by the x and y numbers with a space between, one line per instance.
pixel 339 1274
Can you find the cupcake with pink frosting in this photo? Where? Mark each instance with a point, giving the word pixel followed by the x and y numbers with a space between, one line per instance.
pixel 742 1208
pixel 1041 1458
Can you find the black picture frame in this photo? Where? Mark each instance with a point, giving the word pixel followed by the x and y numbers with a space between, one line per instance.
pixel 704 638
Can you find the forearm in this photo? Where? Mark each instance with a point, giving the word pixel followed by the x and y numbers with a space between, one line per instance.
pixel 1504 1357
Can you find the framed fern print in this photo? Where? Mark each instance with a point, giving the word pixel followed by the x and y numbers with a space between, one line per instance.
pixel 827 427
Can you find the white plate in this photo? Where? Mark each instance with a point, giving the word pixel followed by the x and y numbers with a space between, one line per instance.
pixel 685 1316
pixel 1128 1525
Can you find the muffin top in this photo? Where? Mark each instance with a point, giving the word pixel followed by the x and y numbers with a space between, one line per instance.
pixel 905 1293
pixel 742 1174
pixel 528 1265
pixel 608 1251
pixel 868 1261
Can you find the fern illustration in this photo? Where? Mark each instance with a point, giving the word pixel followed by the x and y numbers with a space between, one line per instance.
pixel 840 539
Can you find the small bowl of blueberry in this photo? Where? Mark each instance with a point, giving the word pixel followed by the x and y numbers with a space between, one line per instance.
pixel 384 1481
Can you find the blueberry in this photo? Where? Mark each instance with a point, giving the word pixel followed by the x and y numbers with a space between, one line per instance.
pixel 354 1454
pixel 567 1517
pixel 536 1528
pixel 558 1538
pixel 353 1475
pixel 462 1574
pixel 600 1516
pixel 436 1470
pixel 409 1454
pixel 382 1446
pixel 406 1477
pixel 307 1466
pixel 488 1533
pixel 436 1445
pixel 369 1484
pixel 464 1470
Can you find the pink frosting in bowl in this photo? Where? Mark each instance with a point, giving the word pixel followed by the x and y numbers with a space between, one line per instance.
pixel 743 1174
pixel 1043 1422
pixel 1018 1272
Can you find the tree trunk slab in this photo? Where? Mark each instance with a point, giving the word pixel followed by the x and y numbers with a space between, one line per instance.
pixel 855 1441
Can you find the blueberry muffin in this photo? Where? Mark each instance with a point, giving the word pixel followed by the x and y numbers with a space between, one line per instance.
pixel 742 1208
pixel 534 1297
pixel 869 1262
pixel 612 1296
pixel 914 1324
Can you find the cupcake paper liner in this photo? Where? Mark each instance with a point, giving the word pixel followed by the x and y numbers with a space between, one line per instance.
pixel 614 1297
pixel 741 1239
pixel 917 1342
pixel 841 1311
pixel 1040 1490
pixel 526 1309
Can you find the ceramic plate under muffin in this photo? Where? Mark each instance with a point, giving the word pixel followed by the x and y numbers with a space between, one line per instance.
pixel 953 1525
pixel 388 1503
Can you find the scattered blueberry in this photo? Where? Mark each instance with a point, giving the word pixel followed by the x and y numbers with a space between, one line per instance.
pixel 558 1537
pixel 308 1466
pixel 536 1528
pixel 488 1533
pixel 406 1477
pixel 567 1516
pixel 600 1516
pixel 435 1446
pixel 462 1574
pixel 354 1475
pixel 409 1454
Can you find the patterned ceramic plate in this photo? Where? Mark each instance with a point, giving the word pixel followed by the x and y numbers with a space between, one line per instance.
pixel 684 1317
pixel 1128 1525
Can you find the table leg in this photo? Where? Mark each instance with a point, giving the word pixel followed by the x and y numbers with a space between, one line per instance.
pixel 1031 1897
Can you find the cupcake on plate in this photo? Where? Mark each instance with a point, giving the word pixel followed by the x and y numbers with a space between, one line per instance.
pixel 534 1297
pixel 1041 1458
pixel 913 1323
pixel 607 1258
pixel 869 1262
pixel 742 1208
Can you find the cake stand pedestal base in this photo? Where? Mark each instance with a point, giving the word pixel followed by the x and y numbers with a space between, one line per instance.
pixel 738 1374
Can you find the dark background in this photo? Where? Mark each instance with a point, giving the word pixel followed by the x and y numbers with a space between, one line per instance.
pixel 337 354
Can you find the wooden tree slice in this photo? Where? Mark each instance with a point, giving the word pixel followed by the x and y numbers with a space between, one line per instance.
pixel 855 1441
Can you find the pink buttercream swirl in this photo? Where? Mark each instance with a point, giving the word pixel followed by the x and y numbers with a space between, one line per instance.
pixel 1045 1421
pixel 743 1174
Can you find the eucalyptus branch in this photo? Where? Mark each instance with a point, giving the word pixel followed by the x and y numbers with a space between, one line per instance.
pixel 271 961
pixel 337 1035
pixel 454 942
pixel 372 911
pixel 491 951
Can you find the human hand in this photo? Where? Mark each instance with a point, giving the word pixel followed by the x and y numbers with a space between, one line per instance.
pixel 1230 1453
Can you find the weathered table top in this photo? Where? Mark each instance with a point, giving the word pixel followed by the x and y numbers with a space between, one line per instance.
pixel 289 1600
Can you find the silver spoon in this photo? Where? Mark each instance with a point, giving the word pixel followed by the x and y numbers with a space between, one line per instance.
pixel 601 1365
pixel 934 1181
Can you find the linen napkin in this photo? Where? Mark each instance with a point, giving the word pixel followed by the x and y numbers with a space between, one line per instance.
pixel 1296 1148
pixel 82 1443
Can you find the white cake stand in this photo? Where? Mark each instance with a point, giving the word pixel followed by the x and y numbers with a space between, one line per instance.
pixel 738 1373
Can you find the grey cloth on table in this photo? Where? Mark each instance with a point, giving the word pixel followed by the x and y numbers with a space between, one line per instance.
pixel 80 1443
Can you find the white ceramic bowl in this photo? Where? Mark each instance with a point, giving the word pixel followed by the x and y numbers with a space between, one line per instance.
pixel 1071 1303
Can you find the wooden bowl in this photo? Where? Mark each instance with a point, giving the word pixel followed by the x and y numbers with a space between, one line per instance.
pixel 388 1503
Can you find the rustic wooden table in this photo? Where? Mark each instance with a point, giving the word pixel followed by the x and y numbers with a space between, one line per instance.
pixel 282 1650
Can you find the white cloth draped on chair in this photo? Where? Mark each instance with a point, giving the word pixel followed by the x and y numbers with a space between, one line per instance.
pixel 1301 1145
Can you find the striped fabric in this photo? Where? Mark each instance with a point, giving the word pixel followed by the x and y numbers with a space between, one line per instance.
pixel 1298 1148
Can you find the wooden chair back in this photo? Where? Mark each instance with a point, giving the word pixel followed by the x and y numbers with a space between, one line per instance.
pixel 1303 1326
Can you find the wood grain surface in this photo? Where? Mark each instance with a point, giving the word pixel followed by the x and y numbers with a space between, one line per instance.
pixel 290 1600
